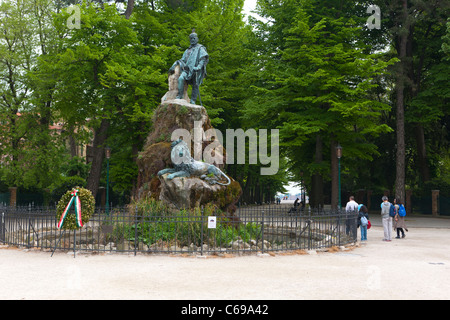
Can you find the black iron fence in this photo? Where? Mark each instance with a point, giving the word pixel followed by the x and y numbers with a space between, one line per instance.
pixel 132 230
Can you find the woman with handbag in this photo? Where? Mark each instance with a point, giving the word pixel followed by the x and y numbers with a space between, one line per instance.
pixel 399 219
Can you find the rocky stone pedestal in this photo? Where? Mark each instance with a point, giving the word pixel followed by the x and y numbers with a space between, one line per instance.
pixel 182 192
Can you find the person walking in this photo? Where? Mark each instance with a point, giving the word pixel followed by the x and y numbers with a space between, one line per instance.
pixel 399 219
pixel 386 219
pixel 363 220
pixel 351 210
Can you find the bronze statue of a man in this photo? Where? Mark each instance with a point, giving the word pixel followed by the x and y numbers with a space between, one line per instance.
pixel 192 66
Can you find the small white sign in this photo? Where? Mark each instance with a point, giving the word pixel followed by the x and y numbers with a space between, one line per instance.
pixel 211 222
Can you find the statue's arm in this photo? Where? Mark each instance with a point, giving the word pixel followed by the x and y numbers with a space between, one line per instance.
pixel 200 65
pixel 172 68
pixel 180 63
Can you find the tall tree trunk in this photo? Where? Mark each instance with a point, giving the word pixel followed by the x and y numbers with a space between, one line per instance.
pixel 422 158
pixel 98 152
pixel 246 190
pixel 422 153
pixel 129 10
pixel 317 179
pixel 257 191
pixel 73 146
pixel 400 113
pixel 334 176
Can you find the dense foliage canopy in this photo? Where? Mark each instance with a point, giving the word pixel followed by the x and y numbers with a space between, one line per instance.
pixel 78 72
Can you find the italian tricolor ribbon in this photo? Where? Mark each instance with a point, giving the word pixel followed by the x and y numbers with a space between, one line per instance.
pixel 76 200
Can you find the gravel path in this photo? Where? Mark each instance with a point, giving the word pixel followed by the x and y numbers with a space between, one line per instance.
pixel 416 267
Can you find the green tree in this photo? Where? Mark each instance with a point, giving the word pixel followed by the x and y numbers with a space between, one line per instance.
pixel 28 145
pixel 221 27
pixel 91 56
pixel 414 30
pixel 313 86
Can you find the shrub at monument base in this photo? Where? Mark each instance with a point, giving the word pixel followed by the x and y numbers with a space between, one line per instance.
pixel 158 222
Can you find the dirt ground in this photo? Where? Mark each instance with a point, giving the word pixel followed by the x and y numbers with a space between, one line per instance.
pixel 414 268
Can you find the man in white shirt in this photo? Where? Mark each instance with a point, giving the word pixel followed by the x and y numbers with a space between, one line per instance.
pixel 352 205
pixel 351 210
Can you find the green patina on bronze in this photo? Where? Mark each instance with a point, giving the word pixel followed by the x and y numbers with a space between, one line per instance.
pixel 193 67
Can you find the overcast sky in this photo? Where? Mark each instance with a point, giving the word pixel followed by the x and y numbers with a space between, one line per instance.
pixel 249 5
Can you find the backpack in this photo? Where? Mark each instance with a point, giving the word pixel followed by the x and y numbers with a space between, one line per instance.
pixel 364 221
pixel 401 211
pixel 392 211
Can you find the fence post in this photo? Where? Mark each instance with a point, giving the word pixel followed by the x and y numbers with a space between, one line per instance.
pixel 339 227
pixel 2 228
pixel 136 240
pixel 309 234
pixel 201 234
pixel 435 203
pixel 30 227
pixel 262 232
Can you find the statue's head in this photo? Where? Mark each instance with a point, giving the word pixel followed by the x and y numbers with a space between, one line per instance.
pixel 193 38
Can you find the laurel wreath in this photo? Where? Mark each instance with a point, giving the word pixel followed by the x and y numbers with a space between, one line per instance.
pixel 87 208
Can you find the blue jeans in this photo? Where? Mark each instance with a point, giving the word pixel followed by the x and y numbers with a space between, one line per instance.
pixel 363 233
